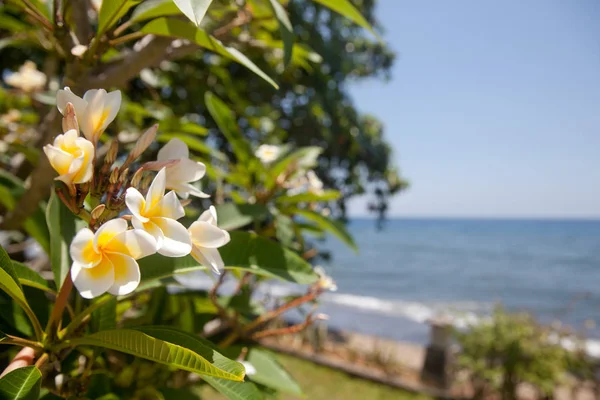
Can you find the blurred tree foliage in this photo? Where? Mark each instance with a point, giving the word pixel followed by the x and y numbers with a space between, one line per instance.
pixel 312 107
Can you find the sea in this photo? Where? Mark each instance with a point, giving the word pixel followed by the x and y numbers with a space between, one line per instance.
pixel 414 270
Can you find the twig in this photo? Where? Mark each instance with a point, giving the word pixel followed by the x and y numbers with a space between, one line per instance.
pixel 283 331
pixel 274 313
pixel 59 306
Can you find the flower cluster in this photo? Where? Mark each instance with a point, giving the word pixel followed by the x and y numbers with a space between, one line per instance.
pixel 105 254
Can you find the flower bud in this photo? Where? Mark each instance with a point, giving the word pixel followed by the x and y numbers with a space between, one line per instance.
pixel 97 212
pixel 137 177
pixel 69 120
pixel 144 142
pixel 111 154
pixel 114 176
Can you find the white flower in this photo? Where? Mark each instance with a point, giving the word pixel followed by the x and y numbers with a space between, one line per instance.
pixel 72 157
pixel 105 261
pixel 28 79
pixel 157 214
pixel 267 153
pixel 250 370
pixel 181 175
pixel 94 111
pixel 79 50
pixel 325 281
pixel 207 237
pixel 315 185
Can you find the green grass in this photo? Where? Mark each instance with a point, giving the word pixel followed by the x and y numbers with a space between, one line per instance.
pixel 322 383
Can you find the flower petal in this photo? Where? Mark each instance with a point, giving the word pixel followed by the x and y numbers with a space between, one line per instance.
pixel 173 150
pixel 176 242
pixel 93 93
pixel 205 234
pixel 152 229
pixel 127 274
pixel 92 282
pixel 186 170
pixel 82 249
pixel 66 96
pixel 134 243
pixel 108 231
pixel 184 190
pixel 136 203
pixel 59 159
pixel 168 207
pixel 209 216
pixel 156 190
pixel 112 104
pixel 208 257
pixel 86 170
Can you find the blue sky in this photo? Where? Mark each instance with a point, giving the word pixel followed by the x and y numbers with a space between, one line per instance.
pixel 493 108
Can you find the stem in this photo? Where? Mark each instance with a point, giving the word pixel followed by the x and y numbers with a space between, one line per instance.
pixel 42 361
pixel 120 29
pixel 17 341
pixel 282 331
pixel 274 313
pixel 126 38
pixel 79 319
pixel 228 340
pixel 59 306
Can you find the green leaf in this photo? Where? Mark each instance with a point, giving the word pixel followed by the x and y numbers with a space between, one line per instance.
pixel 251 252
pixel 232 216
pixel 21 384
pixel 110 13
pixel 105 316
pixel 195 10
pixel 246 251
pixel 150 9
pixel 335 227
pixel 235 390
pixel 7 265
pixel 189 353
pixel 308 197
pixel 13 289
pixel 11 189
pixel 157 266
pixel 28 277
pixel 61 224
pixel 285 229
pixel 285 28
pixel 175 28
pixel 270 373
pixel 345 8
pixel 46 8
pixel 13 316
pixel 301 159
pixel 227 124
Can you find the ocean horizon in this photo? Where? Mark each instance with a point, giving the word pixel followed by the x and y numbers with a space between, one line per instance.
pixel 418 268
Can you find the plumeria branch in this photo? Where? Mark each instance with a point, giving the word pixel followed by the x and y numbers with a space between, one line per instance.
pixel 59 306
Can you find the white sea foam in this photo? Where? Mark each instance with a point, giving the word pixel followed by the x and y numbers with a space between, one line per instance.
pixel 460 313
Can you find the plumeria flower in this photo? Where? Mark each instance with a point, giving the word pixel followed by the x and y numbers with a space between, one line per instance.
pixel 267 153
pixel 72 157
pixel 28 78
pixel 105 261
pixel 157 214
pixel 325 281
pixel 207 237
pixel 250 369
pixel 94 111
pixel 182 174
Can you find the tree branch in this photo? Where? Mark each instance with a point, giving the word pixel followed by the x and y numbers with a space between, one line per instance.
pixel 41 178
